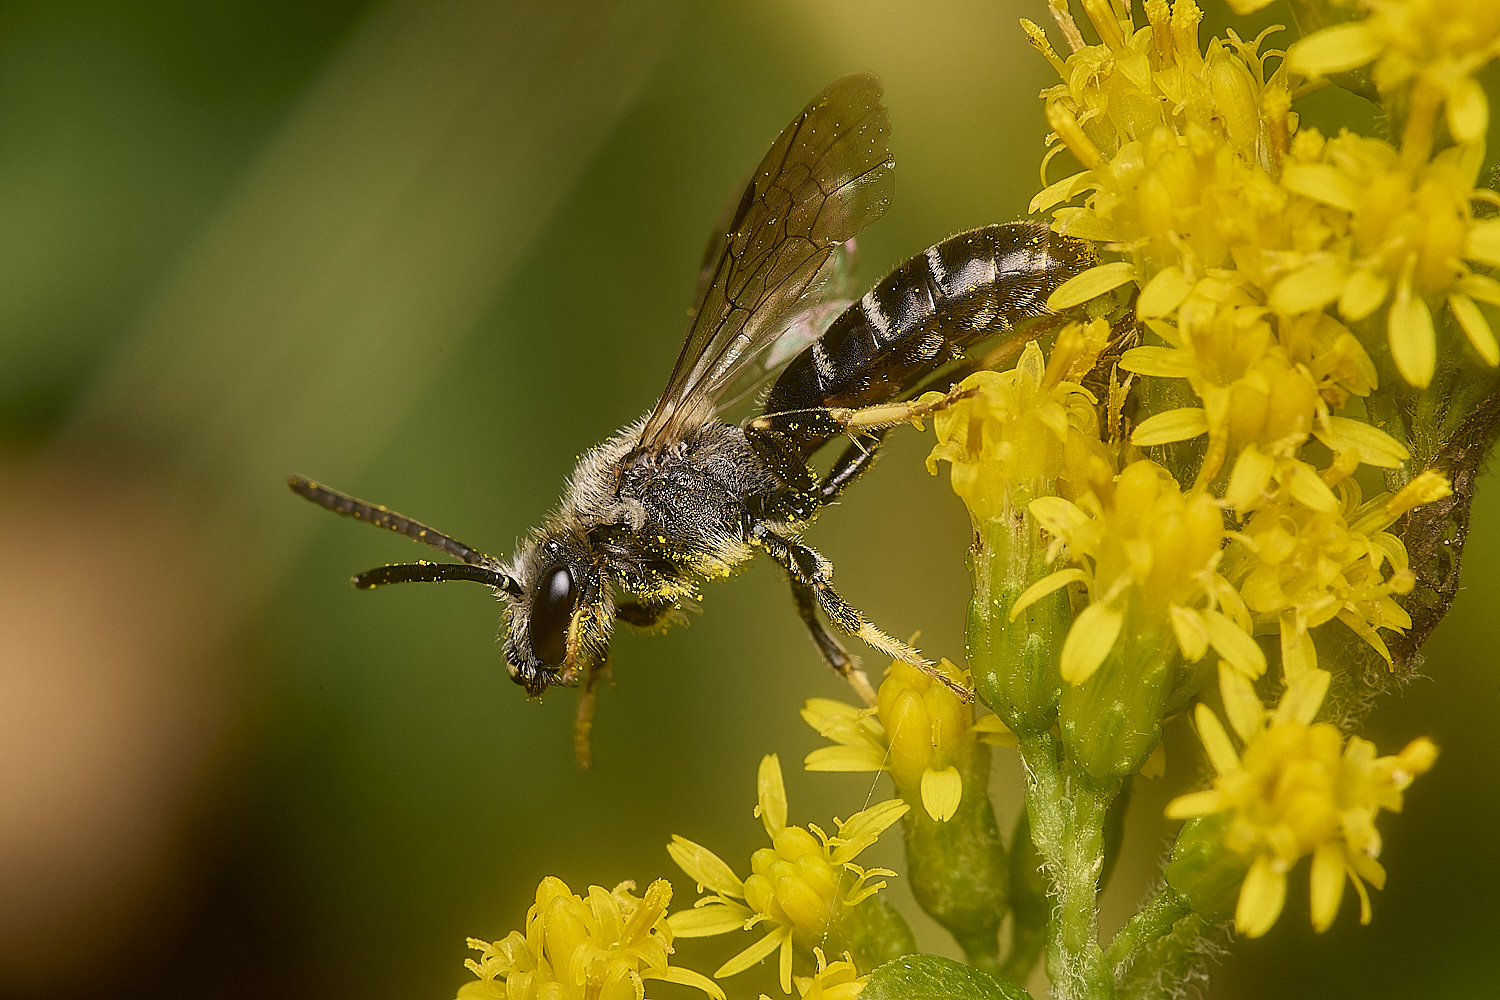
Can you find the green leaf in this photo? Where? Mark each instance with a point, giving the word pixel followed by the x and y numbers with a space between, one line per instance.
pixel 929 977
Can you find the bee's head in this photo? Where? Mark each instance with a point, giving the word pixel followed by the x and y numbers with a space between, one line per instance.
pixel 560 615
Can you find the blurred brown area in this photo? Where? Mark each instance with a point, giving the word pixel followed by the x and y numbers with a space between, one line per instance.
pixel 428 253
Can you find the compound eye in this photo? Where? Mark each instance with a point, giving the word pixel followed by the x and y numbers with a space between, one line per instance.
pixel 551 612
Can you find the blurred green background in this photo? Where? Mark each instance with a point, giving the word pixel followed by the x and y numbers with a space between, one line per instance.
pixel 428 253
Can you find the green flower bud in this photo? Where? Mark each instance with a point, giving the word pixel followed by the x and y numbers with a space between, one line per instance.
pixel 1205 870
pixel 1111 722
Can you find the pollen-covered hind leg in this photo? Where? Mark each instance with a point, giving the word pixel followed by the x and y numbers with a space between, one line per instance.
pixel 583 718
pixel 833 652
pixel 811 572
pixel 825 422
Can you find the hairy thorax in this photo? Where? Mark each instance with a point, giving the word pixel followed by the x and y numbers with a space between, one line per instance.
pixel 685 506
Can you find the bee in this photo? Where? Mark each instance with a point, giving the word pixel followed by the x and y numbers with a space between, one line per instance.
pixel 681 495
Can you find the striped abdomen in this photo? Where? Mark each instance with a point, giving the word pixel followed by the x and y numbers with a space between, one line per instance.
pixel 927 311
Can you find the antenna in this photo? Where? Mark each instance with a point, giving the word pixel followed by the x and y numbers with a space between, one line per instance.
pixel 426 572
pixel 479 568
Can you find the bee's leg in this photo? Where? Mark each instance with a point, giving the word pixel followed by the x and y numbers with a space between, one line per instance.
pixel 853 463
pixel 809 569
pixel 583 717
pixel 820 423
pixel 833 652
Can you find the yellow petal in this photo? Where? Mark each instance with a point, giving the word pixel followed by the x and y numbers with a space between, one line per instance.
pixel 1192 634
pixel 1090 284
pixel 1322 182
pixel 706 921
pixel 1241 704
pixel 1327 884
pixel 991 730
pixel 1261 898
pixel 1413 345
pixel 845 758
pixel 1163 362
pixel 1236 647
pixel 1169 426
pixel 1481 287
pixel 1196 804
pixel 1375 446
pixel 1303 697
pixel 1084 224
pixel 1468 111
pixel 705 867
pixel 754 953
pixel 1156 764
pixel 1045 586
pixel 1298 654
pixel 865 827
pixel 1483 242
pixel 1058 516
pixel 941 793
pixel 1310 288
pixel 1334 50
pixel 685 977
pixel 770 795
pixel 1362 294
pixel 1058 192
pixel 1163 293
pixel 1310 490
pixel 1089 641
pixel 1476 327
pixel 1252 473
pixel 1215 741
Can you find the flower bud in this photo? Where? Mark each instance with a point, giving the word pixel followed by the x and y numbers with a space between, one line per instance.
pixel 1208 873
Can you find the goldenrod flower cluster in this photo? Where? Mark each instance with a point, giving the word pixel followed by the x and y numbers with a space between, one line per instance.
pixel 832 980
pixel 918 730
pixel 1298 788
pixel 1280 280
pixel 802 886
pixel 605 948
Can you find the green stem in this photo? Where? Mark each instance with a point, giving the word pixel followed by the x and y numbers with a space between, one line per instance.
pixel 1154 921
pixel 1067 812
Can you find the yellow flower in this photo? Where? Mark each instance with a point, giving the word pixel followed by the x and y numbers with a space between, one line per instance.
pixel 1260 402
pixel 1148 556
pixel 1298 788
pixel 802 885
pixel 1435 46
pixel 1022 430
pixel 1176 142
pixel 602 949
pixel 1301 566
pixel 1390 233
pixel 918 730
pixel 833 981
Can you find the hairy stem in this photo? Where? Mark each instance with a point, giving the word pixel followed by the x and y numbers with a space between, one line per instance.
pixel 1153 922
pixel 1067 812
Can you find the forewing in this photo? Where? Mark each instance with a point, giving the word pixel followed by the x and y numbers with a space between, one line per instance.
pixel 827 176
pixel 832 291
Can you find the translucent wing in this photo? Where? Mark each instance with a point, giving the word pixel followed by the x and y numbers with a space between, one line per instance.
pixel 832 291
pixel 827 176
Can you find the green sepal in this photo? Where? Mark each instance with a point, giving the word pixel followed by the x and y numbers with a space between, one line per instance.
pixel 958 869
pixel 929 977
pixel 1112 721
pixel 876 933
pixel 1208 873
pixel 1014 664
